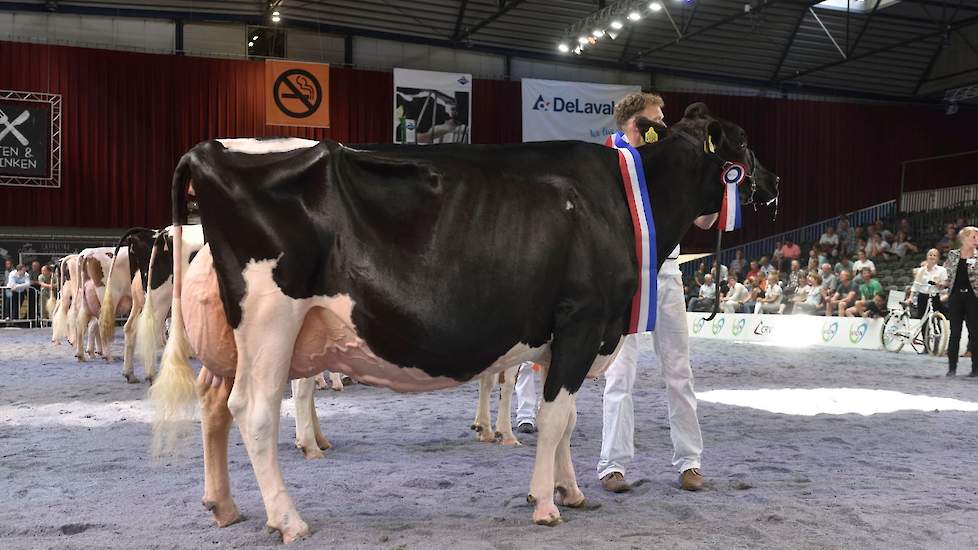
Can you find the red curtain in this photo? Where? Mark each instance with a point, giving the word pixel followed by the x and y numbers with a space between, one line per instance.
pixel 127 117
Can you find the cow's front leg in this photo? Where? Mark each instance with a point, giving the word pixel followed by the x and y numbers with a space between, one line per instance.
pixel 551 425
pixel 320 381
pixel 504 423
pixel 565 480
pixel 215 420
pixel 81 330
pixel 95 344
pixel 483 421
pixel 129 344
pixel 264 358
pixel 306 425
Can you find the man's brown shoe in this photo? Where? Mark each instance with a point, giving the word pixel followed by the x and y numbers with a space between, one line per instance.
pixel 691 480
pixel 615 482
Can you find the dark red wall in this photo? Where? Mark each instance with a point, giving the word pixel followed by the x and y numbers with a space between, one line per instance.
pixel 128 117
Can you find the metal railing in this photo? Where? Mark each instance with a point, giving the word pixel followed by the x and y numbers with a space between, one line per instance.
pixel 24 308
pixel 933 199
pixel 806 234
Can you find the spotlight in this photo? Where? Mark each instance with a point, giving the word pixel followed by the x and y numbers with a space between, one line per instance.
pixel 598 33
pixel 655 6
pixel 582 40
pixel 616 24
pixel 592 40
pixel 634 16
pixel 254 37
pixel 578 50
pixel 564 48
pixel 251 44
pixel 613 34
pixel 276 16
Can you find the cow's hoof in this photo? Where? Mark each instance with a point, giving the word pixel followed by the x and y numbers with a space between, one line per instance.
pixel 323 443
pixel 294 531
pixel 224 513
pixel 564 497
pixel 485 435
pixel 150 378
pixel 310 452
pixel 508 440
pixel 81 358
pixel 130 378
pixel 546 514
pixel 477 427
pixel 337 387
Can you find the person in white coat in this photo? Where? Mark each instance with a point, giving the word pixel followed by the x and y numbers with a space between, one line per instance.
pixel 671 343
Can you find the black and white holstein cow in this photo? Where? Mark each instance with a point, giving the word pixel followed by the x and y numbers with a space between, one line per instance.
pixel 416 269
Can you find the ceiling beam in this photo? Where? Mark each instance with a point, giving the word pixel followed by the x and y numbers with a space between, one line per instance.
pixel 913 39
pixel 929 67
pixel 865 26
pixel 787 46
pixel 503 10
pixel 461 15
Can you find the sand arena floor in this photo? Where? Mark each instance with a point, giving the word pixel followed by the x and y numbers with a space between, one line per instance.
pixel 825 471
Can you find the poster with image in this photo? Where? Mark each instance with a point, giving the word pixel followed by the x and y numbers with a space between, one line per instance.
pixel 432 107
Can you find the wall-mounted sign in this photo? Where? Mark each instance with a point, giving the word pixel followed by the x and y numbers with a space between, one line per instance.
pixel 297 94
pixel 30 139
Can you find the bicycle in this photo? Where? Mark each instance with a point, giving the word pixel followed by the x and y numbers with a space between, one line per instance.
pixel 929 336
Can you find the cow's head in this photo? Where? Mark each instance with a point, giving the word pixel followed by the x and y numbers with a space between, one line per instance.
pixel 728 142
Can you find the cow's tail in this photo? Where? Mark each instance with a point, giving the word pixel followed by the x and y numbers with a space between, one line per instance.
pixel 173 392
pixel 59 317
pixel 106 318
pixel 147 333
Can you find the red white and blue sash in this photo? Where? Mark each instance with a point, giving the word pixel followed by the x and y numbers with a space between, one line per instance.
pixel 731 176
pixel 642 318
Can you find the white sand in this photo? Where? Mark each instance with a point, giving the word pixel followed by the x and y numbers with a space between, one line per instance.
pixel 405 472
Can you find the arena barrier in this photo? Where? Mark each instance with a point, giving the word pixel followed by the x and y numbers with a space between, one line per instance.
pixel 26 316
pixel 795 330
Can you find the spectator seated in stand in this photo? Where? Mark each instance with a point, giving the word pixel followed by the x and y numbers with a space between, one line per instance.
pixel 722 271
pixel 869 288
pixel 771 302
pixel 829 242
pixel 790 250
pixel 736 296
pixel 755 270
pixel 844 297
pixel 766 267
pixel 863 262
pixel 847 240
pixel 704 301
pixel 829 281
pixel 882 231
pixel 877 248
pixel 738 266
pixel 699 275
pixel 844 264
pixel 904 227
pixel 776 258
pixel 876 308
pixel 753 285
pixel 811 301
pixel 793 279
pixel 948 241
pixel 902 246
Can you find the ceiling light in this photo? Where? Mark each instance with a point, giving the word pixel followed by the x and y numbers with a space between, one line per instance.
pixel 582 40
pixel 251 44
pixel 634 16
pixel 616 24
pixel 564 48
pixel 276 16
pixel 578 50
pixel 612 34
pixel 592 40
pixel 655 6
pixel 598 33
pixel 254 37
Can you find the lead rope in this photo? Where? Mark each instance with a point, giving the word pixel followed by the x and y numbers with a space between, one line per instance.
pixel 716 277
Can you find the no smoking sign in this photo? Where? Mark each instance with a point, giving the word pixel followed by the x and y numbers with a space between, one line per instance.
pixel 297 94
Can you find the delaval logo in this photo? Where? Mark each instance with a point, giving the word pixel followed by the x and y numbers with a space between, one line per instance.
pixel 829 330
pixel 463 81
pixel 698 325
pixel 573 105
pixel 738 327
pixel 763 330
pixel 718 325
pixel 857 332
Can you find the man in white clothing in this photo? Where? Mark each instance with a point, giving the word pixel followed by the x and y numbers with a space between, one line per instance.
pixel 671 342
pixel 735 297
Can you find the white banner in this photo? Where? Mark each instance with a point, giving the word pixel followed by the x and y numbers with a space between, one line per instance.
pixel 554 110
pixel 432 107
pixel 789 330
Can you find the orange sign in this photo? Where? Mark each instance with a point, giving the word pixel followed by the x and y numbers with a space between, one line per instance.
pixel 297 94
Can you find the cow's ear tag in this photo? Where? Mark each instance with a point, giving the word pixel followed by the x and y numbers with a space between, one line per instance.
pixel 708 146
pixel 651 136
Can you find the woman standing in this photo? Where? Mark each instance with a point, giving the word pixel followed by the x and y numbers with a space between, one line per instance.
pixel 922 290
pixel 962 269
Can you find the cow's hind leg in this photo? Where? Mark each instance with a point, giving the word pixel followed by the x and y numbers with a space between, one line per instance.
pixel 215 419
pixel 129 344
pixel 81 331
pixel 483 421
pixel 336 381
pixel 504 423
pixel 308 437
pixel 565 480
pixel 264 358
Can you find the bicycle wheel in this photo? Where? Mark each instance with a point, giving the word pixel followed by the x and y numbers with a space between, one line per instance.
pixel 892 338
pixel 938 333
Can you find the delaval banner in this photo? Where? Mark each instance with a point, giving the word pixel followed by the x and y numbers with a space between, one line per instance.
pixel 789 330
pixel 432 107
pixel 554 110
